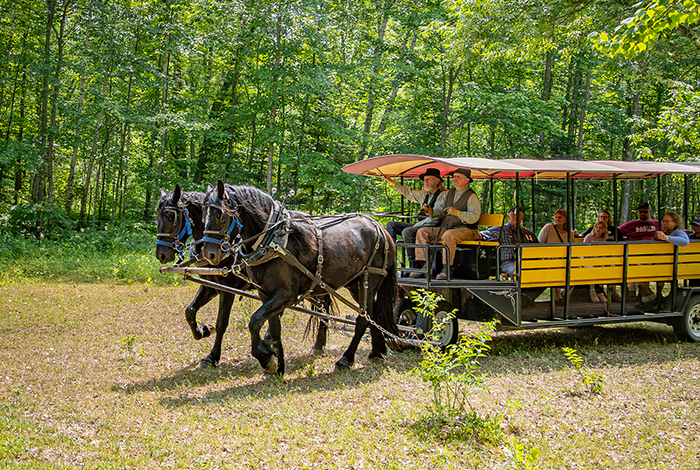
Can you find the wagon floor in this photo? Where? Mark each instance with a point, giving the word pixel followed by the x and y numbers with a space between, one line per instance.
pixel 541 310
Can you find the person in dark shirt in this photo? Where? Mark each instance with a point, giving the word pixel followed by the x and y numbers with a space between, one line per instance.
pixel 507 235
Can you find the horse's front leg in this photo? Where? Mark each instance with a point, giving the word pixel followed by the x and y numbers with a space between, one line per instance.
pixel 203 297
pixel 268 351
pixel 225 304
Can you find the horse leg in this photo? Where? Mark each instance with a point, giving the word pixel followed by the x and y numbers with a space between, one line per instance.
pixel 322 331
pixel 225 304
pixel 203 297
pixel 348 358
pixel 267 351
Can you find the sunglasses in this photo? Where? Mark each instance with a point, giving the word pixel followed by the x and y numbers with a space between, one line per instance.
pixel 643 211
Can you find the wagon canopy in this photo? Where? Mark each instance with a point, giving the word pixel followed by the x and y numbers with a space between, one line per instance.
pixel 412 166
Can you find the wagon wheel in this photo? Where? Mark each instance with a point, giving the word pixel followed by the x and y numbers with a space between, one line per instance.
pixel 687 327
pixel 404 315
pixel 450 332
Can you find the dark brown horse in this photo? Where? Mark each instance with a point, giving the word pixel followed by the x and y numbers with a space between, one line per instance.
pixel 357 253
pixel 175 213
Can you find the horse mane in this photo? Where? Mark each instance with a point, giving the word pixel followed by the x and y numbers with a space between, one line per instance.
pixel 189 197
pixel 259 204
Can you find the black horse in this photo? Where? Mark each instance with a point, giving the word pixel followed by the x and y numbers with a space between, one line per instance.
pixel 357 253
pixel 175 213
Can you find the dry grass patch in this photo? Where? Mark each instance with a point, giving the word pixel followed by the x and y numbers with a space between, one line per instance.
pixel 104 376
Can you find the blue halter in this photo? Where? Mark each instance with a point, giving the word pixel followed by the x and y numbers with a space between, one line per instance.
pixel 178 244
pixel 224 242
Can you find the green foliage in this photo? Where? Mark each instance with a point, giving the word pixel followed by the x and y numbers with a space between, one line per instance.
pixel 593 383
pixel 122 253
pixel 31 220
pixel 640 32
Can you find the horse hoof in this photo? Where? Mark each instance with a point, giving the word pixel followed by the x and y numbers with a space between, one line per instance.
pixel 318 352
pixel 207 363
pixel 376 358
pixel 206 330
pixel 271 366
pixel 343 364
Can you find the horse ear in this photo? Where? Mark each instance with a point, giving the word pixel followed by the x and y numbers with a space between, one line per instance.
pixel 177 193
pixel 209 188
pixel 163 193
pixel 220 188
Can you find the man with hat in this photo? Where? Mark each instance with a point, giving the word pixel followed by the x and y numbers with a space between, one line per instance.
pixel 426 197
pixel 460 210
pixel 695 229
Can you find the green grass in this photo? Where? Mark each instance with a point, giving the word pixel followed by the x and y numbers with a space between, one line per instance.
pixel 116 255
pixel 104 376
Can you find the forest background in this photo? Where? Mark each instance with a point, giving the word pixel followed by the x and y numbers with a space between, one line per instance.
pixel 103 102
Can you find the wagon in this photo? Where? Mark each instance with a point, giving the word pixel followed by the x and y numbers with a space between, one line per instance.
pixel 479 291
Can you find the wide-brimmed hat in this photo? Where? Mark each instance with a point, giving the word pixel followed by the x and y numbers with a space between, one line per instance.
pixel 465 171
pixel 431 172
pixel 696 221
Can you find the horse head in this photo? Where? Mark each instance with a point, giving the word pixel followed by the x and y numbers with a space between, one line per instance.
pixel 220 222
pixel 173 225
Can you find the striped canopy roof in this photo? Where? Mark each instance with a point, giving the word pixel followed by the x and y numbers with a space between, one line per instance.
pixel 412 166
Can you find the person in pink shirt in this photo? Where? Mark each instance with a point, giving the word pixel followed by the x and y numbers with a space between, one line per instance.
pixel 643 228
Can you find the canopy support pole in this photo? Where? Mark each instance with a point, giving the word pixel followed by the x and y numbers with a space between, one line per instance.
pixel 616 219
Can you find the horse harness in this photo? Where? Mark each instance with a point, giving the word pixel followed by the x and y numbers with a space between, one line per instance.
pixel 178 239
pixel 272 243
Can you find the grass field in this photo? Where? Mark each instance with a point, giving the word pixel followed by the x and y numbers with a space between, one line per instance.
pixel 104 376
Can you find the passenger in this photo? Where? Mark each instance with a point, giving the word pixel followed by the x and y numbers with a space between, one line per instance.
pixel 556 232
pixel 613 233
pixel 643 228
pixel 695 229
pixel 598 234
pixel 460 210
pixel 432 187
pixel 672 231
pixel 509 236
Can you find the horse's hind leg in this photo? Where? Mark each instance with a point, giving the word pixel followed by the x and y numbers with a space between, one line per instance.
pixel 348 358
pixel 203 297
pixel 225 304
pixel 378 343
pixel 322 331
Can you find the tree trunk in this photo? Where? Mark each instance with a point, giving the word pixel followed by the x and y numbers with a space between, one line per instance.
pixel 74 156
pixel 628 154
pixel 582 114
pixel 447 91
pixel 273 111
pixel 378 54
pixel 90 165
pixel 38 183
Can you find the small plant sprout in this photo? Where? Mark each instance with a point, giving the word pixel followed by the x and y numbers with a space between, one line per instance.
pixel 592 382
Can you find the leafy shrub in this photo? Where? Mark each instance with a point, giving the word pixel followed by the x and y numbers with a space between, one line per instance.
pixel 31 220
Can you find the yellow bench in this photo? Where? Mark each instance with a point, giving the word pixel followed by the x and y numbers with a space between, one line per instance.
pixel 603 263
pixel 485 220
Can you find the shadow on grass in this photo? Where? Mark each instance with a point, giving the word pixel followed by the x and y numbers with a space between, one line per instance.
pixel 517 352
pixel 272 387
pixel 193 377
